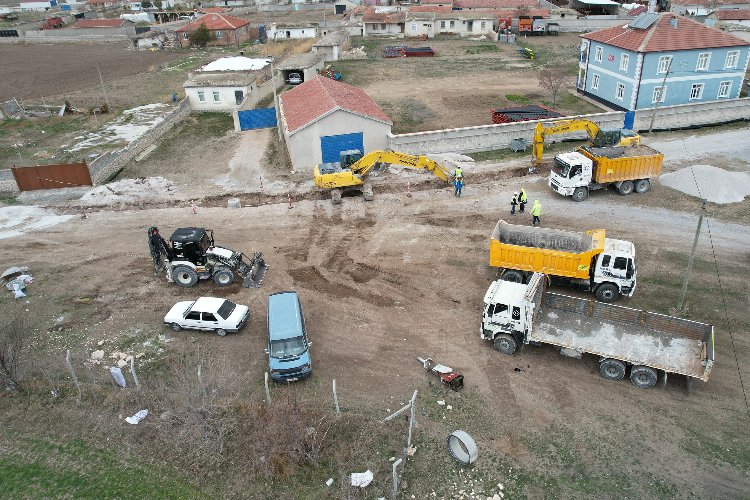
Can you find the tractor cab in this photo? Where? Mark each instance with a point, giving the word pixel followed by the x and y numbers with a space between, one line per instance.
pixel 191 244
pixel 350 157
pixel 615 137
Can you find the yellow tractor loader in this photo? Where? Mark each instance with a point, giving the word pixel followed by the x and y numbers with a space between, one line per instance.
pixel 351 173
pixel 598 137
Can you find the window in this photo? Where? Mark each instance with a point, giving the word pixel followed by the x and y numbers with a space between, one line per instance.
pixel 724 89
pixel 482 25
pixel 664 63
pixel 605 260
pixel 217 96
pixel 731 61
pixel 219 35
pixel 704 59
pixel 186 36
pixel 595 83
pixel 696 91
pixel 624 60
pixel 382 27
pixel 209 317
pixel 658 95
pixel 620 92
pixel 442 24
pixel 414 27
pixel 201 96
pixel 621 263
pixel 598 54
pixel 194 315
pixel 453 24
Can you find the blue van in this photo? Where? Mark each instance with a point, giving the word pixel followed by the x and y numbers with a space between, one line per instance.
pixel 288 347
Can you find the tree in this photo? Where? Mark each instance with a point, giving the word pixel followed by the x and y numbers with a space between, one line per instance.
pixel 158 4
pixel 200 37
pixel 553 78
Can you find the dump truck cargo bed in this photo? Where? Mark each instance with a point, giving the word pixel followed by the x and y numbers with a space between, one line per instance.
pixel 548 251
pixel 667 343
pixel 622 163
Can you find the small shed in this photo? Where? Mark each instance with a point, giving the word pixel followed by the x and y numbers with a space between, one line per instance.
pixel 218 91
pixel 322 117
pixel 307 65
pixel 289 31
pixel 344 6
pixel 331 46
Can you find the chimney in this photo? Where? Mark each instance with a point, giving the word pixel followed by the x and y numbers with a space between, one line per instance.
pixel 651 6
pixel 673 22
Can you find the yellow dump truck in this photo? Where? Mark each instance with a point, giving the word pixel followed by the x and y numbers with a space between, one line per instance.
pixel 627 168
pixel 587 260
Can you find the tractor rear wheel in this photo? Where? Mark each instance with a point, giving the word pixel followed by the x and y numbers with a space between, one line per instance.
pixel 184 276
pixel 223 277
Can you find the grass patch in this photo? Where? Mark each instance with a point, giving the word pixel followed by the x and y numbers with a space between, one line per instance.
pixel 408 115
pixel 517 98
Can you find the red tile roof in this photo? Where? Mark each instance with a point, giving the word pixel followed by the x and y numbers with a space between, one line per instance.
pixel 371 16
pixel 99 23
pixel 637 11
pixel 430 8
pixel 513 13
pixel 215 22
pixel 215 10
pixel 733 15
pixel 316 98
pixel 661 36
pixel 441 2
pixel 494 4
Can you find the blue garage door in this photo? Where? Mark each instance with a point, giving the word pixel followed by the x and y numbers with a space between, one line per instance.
pixel 332 145
pixel 257 118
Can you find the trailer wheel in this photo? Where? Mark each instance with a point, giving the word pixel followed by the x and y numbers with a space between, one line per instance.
pixel 184 276
pixel 612 369
pixel 223 277
pixel 505 343
pixel 642 185
pixel 625 188
pixel 643 377
pixel 221 332
pixel 513 276
pixel 580 193
pixel 607 292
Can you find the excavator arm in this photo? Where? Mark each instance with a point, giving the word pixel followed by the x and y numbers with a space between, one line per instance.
pixel 542 130
pixel 365 164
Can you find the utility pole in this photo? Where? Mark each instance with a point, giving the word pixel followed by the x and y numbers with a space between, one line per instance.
pixel 692 258
pixel 101 80
pixel 662 96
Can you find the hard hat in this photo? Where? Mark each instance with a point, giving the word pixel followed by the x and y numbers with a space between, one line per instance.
pixel 515 193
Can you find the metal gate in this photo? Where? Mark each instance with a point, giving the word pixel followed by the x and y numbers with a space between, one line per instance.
pixel 257 118
pixel 332 145
pixel 52 176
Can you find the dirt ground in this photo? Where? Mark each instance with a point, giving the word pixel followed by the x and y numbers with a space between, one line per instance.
pixel 401 277
pixel 45 70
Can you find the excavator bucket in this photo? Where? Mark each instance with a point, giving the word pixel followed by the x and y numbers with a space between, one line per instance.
pixel 255 271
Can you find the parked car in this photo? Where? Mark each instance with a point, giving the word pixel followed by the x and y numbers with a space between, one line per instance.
pixel 207 313
pixel 295 79
pixel 288 348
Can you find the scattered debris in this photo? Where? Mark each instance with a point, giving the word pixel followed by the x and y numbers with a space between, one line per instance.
pixel 135 419
pixel 97 356
pixel 353 53
pixel 362 479
pixel 233 203
pixel 441 402
pixel 18 284
pixel 411 450
pixel 462 447
pixel 117 376
pixel 452 379
pixel 449 407
pixel 140 190
pixel 329 483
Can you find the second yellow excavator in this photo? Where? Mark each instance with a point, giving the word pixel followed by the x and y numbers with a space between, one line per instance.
pixel 598 137
pixel 353 170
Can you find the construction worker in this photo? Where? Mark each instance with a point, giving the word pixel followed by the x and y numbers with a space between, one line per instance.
pixel 458 173
pixel 536 211
pixel 513 204
pixel 458 185
pixel 522 200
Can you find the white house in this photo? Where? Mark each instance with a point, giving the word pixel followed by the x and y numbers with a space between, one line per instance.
pixel 331 46
pixel 384 21
pixel 322 117
pixel 705 7
pixel 284 32
pixel 135 6
pixel 218 91
pixel 37 5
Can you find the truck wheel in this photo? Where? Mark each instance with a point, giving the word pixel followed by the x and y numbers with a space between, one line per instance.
pixel 513 276
pixel 580 194
pixel 505 343
pixel 184 276
pixel 175 327
pixel 612 369
pixel 643 377
pixel 642 185
pixel 625 188
pixel 223 277
pixel 607 292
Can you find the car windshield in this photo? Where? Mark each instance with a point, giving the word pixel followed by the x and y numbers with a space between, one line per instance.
pixel 286 348
pixel 226 309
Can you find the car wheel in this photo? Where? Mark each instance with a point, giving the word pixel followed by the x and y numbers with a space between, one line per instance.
pixel 221 332
pixel 175 327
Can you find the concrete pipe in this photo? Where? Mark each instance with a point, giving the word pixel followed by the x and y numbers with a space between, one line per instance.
pixel 462 448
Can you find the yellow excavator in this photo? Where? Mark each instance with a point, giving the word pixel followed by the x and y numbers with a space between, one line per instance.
pixel 598 137
pixel 353 170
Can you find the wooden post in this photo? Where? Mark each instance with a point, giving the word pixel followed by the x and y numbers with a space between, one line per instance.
pixel 132 372
pixel 692 258
pixel 268 393
pixel 336 398
pixel 73 374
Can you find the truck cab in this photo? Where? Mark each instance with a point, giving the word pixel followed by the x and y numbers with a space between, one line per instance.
pixel 570 172
pixel 615 270
pixel 509 312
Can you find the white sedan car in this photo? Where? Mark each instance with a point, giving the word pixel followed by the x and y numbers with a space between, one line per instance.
pixel 207 313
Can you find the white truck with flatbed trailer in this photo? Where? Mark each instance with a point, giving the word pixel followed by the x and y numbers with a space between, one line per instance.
pixel 624 339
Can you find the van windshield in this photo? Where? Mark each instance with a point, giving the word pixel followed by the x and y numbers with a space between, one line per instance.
pixel 286 348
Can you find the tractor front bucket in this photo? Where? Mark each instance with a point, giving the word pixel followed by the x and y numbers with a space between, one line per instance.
pixel 257 271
